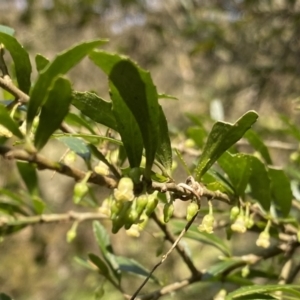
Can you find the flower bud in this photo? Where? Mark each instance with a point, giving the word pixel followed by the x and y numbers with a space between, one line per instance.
pixel 151 205
pixel 245 271
pixel 189 143
pixel 117 224
pixel 191 210
pixel 221 295
pixel 263 239
pixel 141 202
pixel 71 234
pixel 131 217
pixel 234 212
pixel 249 222
pixel 143 222
pixel 116 208
pixel 168 212
pixel 80 189
pixel 207 224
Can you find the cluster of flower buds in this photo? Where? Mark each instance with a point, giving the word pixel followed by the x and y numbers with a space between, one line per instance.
pixel 241 219
pixel 127 210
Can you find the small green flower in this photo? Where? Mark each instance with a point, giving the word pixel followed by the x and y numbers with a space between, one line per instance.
pixel 80 190
pixel 264 237
pixel 70 157
pixel 239 225
pixel 133 231
pixel 207 224
pixel 124 191
pixel 263 240
pixel 102 169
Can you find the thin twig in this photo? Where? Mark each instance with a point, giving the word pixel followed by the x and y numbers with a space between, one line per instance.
pixel 52 218
pixel 108 181
pixel 180 191
pixel 243 260
pixel 44 163
pixel 7 84
pixel 293 274
pixel 169 236
pixel 174 245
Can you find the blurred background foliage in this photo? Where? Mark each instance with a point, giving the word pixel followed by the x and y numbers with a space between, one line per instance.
pixel 219 58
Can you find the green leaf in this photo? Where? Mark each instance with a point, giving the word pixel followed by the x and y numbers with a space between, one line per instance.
pixel 260 183
pixel 223 266
pixel 127 127
pixel 137 90
pixel 256 297
pixel 21 60
pixel 4 297
pixel 83 263
pixel 132 86
pixel 257 143
pixel 215 182
pixel 7 30
pixel 182 161
pixel 41 62
pixel 59 66
pixel 197 134
pixel 53 111
pixel 77 145
pixel 89 137
pixel 97 261
pixel 11 208
pixel 38 205
pixel 12 195
pixel 254 289
pixel 74 120
pixel 8 122
pixel 206 238
pixel 105 246
pixel 238 169
pixel 29 176
pixel 281 190
pixel 166 96
pixel 132 266
pixel 95 108
pixel 292 128
pixel 221 138
pixel 164 150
